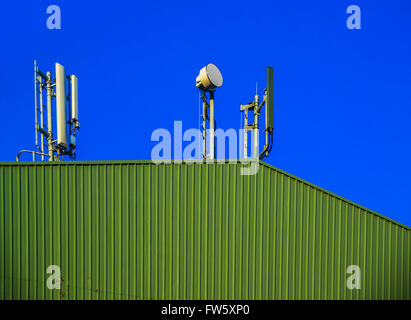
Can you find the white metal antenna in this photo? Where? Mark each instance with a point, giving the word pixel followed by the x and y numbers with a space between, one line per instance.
pixel 74 98
pixel 61 107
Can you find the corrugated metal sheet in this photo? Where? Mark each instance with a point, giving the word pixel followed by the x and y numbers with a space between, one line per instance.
pixel 138 230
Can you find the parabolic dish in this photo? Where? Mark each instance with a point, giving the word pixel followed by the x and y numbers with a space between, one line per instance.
pixel 209 77
pixel 214 75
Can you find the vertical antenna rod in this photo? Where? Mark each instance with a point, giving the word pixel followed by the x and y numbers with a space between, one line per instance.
pixel 212 127
pixel 35 103
pixel 204 127
pixel 41 116
pixel 255 127
pixel 245 132
pixel 49 117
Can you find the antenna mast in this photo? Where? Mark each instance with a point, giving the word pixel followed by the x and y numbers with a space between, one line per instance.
pixel 256 107
pixel 208 80
pixel 44 85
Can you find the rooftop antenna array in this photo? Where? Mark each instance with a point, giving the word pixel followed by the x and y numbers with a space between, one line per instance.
pixel 256 107
pixel 66 105
pixel 207 81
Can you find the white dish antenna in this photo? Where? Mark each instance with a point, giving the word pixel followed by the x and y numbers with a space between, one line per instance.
pixel 209 78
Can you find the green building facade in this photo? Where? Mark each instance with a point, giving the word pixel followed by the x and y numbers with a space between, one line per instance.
pixel 137 230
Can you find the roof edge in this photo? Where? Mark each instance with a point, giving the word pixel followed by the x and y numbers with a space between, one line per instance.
pixel 335 195
pixel 180 162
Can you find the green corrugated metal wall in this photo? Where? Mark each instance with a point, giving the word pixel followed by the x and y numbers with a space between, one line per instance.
pixel 139 230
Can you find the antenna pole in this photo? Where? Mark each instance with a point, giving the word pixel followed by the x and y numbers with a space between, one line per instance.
pixel 41 117
pixel 35 104
pixel 266 124
pixel 245 132
pixel 256 115
pixel 212 128
pixel 49 117
pixel 204 133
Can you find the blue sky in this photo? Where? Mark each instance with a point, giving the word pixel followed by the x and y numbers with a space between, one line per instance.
pixel 342 97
